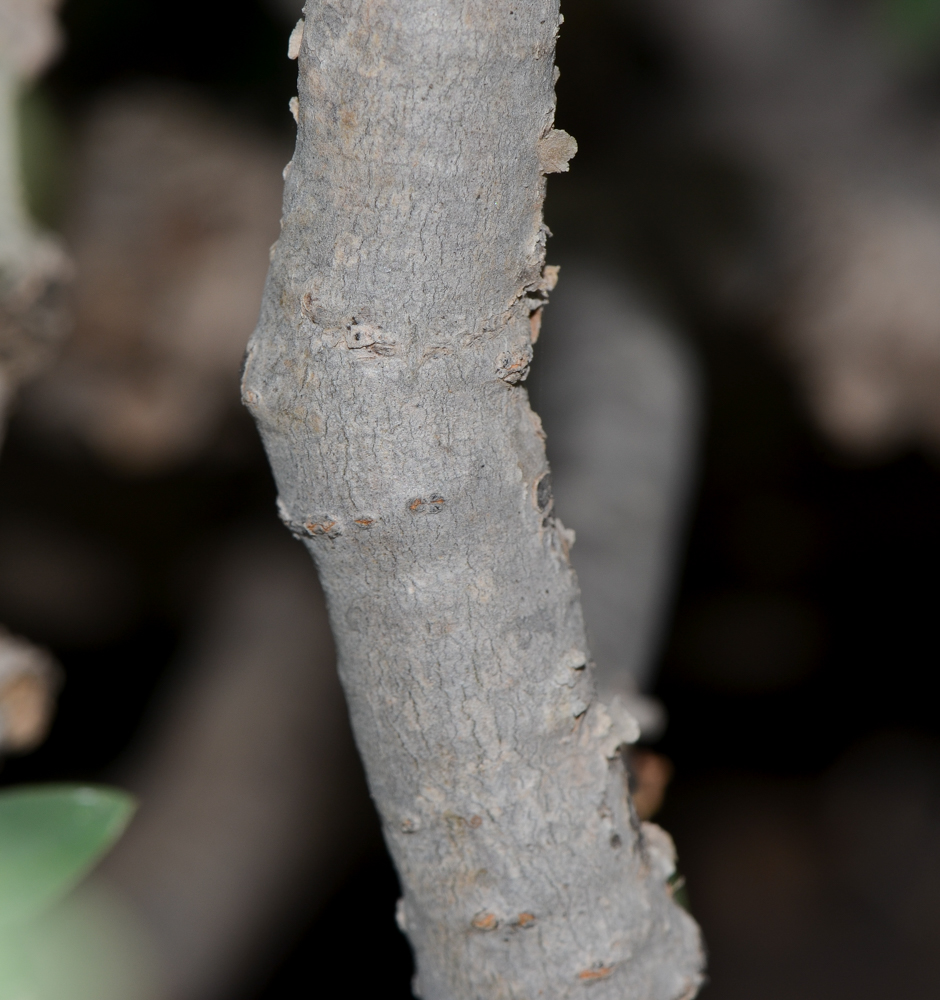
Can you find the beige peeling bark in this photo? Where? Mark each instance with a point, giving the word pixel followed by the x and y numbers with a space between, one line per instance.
pixel 398 320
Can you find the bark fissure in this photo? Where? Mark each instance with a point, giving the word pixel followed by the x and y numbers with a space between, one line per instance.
pixel 384 376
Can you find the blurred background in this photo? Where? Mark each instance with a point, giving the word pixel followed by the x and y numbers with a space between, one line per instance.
pixel 749 241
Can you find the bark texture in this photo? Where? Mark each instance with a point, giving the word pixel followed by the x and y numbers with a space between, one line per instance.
pixel 398 320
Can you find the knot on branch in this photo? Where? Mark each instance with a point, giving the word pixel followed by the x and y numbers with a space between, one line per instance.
pixel 314 527
pixel 513 366
pixel 427 505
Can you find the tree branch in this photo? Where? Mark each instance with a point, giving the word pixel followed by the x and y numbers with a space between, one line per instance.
pixel 397 322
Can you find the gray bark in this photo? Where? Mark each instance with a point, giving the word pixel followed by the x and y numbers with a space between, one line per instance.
pixel 398 320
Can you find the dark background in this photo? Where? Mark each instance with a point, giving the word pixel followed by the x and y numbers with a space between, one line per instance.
pixel 802 631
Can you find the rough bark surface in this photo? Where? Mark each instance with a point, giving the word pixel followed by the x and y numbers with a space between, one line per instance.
pixel 398 320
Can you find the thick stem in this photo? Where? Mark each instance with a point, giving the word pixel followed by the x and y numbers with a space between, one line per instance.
pixel 397 322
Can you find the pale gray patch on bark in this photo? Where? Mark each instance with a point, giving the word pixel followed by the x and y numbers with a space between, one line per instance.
pixel 396 325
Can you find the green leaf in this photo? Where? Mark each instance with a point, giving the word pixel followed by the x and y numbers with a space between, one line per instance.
pixel 51 836
pixel 86 947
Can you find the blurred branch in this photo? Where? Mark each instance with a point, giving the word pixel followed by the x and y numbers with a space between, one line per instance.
pixel 34 270
pixel 34 273
pixel 29 679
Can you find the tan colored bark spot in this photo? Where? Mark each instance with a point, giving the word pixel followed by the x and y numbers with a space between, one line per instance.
pixel 485 922
pixel 591 975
